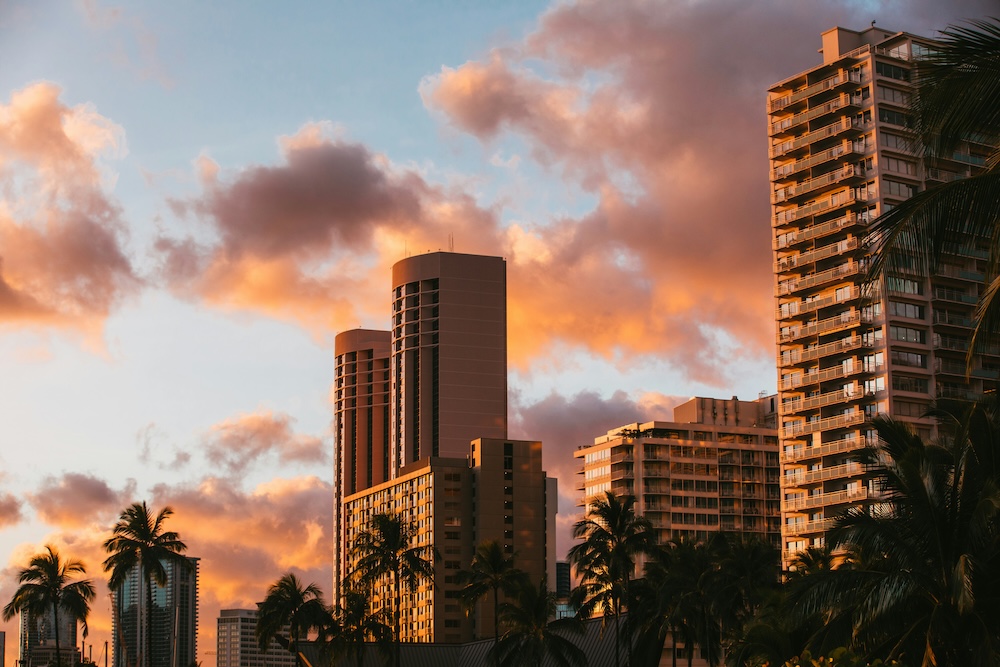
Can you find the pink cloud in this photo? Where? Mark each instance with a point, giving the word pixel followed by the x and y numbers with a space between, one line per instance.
pixel 62 257
pixel 77 499
pixel 10 510
pixel 237 444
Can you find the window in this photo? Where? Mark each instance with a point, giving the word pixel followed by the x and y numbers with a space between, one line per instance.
pixel 913 359
pixel 892 71
pixel 894 117
pixel 904 383
pixel 904 286
pixel 900 166
pixel 909 310
pixel 898 189
pixel 895 96
pixel 910 409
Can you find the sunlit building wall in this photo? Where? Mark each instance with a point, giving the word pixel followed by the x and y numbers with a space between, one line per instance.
pixel 715 467
pixel 842 154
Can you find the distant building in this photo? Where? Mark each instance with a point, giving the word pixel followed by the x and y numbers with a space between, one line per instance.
pixel 563 580
pixel 715 467
pixel 174 617
pixel 37 640
pixel 236 644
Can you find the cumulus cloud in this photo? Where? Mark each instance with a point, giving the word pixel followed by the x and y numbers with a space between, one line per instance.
pixel 62 256
pixel 77 499
pixel 10 510
pixel 237 444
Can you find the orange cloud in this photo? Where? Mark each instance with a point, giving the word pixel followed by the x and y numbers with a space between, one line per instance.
pixel 62 257
pixel 236 444
pixel 10 510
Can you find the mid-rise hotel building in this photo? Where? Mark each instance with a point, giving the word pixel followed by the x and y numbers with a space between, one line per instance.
pixel 715 467
pixel 237 645
pixel 841 154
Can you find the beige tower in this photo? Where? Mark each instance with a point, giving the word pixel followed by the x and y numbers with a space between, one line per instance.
pixel 449 354
pixel 841 155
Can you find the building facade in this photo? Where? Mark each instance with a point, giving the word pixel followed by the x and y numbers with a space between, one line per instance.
pixel 714 468
pixel 37 639
pixel 236 643
pixel 842 154
pixel 174 616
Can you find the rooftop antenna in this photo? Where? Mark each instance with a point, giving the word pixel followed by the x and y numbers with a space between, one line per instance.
pixel 451 243
pixel 873 23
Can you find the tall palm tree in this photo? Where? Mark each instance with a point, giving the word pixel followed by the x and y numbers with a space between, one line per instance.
pixel 613 537
pixel 491 571
pixel 925 583
pixel 532 634
pixel 45 586
pixel 138 539
pixel 290 604
pixel 386 550
pixel 356 626
pixel 956 98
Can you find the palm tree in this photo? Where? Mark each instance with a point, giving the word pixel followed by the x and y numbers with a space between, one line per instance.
pixel 532 635
pixel 45 586
pixel 289 604
pixel 956 99
pixel 613 536
pixel 924 582
pixel 491 571
pixel 385 550
pixel 139 540
pixel 355 626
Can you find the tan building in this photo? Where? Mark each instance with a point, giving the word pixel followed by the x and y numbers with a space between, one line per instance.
pixel 237 646
pixel 841 155
pixel 715 467
pixel 499 492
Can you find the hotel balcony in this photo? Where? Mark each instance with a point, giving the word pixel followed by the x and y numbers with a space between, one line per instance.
pixel 828 325
pixel 832 250
pixel 814 185
pixel 787 171
pixel 807 527
pixel 796 357
pixel 841 78
pixel 833 202
pixel 793 238
pixel 825 499
pixel 798 143
pixel 838 421
pixel 805 379
pixel 943 317
pixel 789 123
pixel 949 271
pixel 942 175
pixel 822 400
pixel 797 308
pixel 956 296
pixel 959 369
pixel 841 446
pixel 815 279
pixel 800 477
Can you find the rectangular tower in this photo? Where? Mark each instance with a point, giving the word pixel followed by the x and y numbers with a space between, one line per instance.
pixel 842 153
pixel 449 354
pixel 237 642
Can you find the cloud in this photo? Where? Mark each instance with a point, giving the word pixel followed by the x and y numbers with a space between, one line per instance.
pixel 62 257
pixel 148 438
pixel 77 499
pixel 10 510
pixel 237 444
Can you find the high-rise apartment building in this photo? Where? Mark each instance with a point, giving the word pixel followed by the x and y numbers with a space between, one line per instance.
pixel 439 456
pixel 842 154
pixel 236 644
pixel 174 618
pixel 715 467
pixel 37 645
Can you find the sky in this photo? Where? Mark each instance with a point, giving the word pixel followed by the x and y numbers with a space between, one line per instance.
pixel 196 197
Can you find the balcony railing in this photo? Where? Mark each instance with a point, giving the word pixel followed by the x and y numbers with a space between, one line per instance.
pixel 822 400
pixel 803 379
pixel 952 319
pixel 943 294
pixel 808 527
pixel 814 279
pixel 800 307
pixel 792 357
pixel 834 472
pixel 816 231
pixel 832 250
pixel 842 321
pixel 786 170
pixel 824 499
pixel 833 129
pixel 836 200
pixel 805 187
pixel 848 444
pixel 840 78
pixel 785 124
pixel 962 274
pixel 839 421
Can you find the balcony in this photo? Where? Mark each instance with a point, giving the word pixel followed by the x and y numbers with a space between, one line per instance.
pixel 839 79
pixel 797 308
pixel 808 527
pixel 804 379
pixel 835 201
pixel 803 188
pixel 788 123
pixel 843 321
pixel 794 357
pixel 825 132
pixel 942 175
pixel 803 258
pixel 825 499
pixel 830 423
pixel 815 279
pixel 956 296
pixel 952 319
pixel 959 369
pixel 822 400
pixel 950 271
pixel 789 239
pixel 784 171
pixel 841 446
pixel 851 469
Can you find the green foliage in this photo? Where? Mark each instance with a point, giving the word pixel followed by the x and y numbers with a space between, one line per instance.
pixel 838 657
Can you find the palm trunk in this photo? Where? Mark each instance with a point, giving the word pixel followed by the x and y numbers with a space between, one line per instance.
pixel 55 623
pixel 395 618
pixel 628 631
pixel 618 658
pixel 147 657
pixel 496 622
